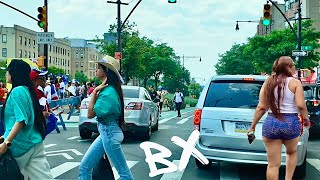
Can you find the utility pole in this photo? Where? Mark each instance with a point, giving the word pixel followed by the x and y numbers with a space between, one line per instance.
pixel 45 46
pixel 299 37
pixel 119 3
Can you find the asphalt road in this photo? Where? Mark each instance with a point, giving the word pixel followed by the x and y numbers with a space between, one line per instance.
pixel 65 150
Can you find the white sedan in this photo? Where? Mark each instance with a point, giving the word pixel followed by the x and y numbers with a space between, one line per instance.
pixel 141 114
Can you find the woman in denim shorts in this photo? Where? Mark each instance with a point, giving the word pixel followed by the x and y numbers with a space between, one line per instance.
pixel 283 95
pixel 107 104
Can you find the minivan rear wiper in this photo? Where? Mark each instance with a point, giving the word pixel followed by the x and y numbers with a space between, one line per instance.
pixel 218 100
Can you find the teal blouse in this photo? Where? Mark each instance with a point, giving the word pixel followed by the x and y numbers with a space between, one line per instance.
pixel 19 108
pixel 108 106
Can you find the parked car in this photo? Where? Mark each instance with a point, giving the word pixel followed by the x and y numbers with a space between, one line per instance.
pixel 141 114
pixel 223 116
pixel 312 96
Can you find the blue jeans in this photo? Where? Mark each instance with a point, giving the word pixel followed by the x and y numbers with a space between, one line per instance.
pixel 109 142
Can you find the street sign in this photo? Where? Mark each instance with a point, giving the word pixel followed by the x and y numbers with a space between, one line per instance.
pixel 45 37
pixel 299 53
pixel 306 48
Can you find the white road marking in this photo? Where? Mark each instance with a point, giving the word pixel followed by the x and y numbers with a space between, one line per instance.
pixel 63 168
pixel 184 120
pixel 130 165
pixel 314 162
pixel 49 145
pixel 174 175
pixel 65 150
pixel 66 155
pixel 84 140
pixel 228 171
pixel 167 119
pixel 74 137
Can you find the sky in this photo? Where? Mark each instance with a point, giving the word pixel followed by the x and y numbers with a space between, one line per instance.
pixel 191 27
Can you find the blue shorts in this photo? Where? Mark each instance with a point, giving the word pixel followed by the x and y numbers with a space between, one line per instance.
pixel 286 129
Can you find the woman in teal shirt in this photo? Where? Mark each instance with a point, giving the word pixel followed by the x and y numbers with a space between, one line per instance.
pixel 24 123
pixel 107 104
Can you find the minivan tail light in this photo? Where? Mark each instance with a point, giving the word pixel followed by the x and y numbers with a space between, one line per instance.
pixel 197 119
pixel 134 106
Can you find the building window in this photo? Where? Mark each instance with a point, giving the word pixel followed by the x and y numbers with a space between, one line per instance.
pixel 68 65
pixel 25 54
pixel 50 48
pixel 34 42
pixel 25 41
pixel 81 55
pixel 4 38
pixel 34 55
pixel 50 59
pixel 29 54
pixel 29 42
pixel 20 39
pixel 4 52
pixel 20 53
pixel 77 64
pixel 77 55
pixel 81 64
pixel 68 53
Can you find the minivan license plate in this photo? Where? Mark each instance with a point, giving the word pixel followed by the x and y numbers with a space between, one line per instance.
pixel 242 127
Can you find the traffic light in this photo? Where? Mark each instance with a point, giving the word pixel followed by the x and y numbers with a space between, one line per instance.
pixel 266 14
pixel 172 1
pixel 42 16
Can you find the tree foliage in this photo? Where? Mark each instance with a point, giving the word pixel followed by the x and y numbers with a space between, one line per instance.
pixel 144 59
pixel 81 77
pixel 55 71
pixel 259 53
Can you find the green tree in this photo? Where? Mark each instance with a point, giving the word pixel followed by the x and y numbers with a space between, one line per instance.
pixel 3 64
pixel 260 52
pixel 55 71
pixel 195 89
pixel 81 77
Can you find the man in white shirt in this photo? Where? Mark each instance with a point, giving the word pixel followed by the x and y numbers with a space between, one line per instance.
pixel 47 90
pixel 178 99
pixel 62 88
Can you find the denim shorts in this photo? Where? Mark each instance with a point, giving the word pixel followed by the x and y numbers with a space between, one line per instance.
pixel 286 129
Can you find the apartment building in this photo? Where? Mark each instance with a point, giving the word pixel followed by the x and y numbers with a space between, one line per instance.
pixel 17 42
pixel 84 54
pixel 309 9
pixel 277 20
pixel 20 42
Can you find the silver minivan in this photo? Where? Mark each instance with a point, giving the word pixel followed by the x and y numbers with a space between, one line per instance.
pixel 224 114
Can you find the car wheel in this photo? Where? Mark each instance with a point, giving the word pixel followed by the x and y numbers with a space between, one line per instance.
pixel 85 134
pixel 147 135
pixel 202 166
pixel 300 171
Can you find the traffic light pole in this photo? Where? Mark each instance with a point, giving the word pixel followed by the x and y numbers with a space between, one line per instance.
pixel 45 46
pixel 299 37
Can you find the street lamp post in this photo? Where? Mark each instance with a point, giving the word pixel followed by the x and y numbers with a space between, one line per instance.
pixel 186 58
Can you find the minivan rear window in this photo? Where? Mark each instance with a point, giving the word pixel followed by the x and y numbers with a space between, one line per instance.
pixel 130 93
pixel 233 94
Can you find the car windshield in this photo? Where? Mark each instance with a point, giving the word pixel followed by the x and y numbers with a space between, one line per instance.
pixel 130 93
pixel 233 94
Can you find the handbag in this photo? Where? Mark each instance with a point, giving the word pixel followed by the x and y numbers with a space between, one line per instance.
pixel 9 168
pixel 103 171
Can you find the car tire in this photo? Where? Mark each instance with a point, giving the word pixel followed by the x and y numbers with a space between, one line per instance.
pixel 85 134
pixel 147 134
pixel 300 171
pixel 202 166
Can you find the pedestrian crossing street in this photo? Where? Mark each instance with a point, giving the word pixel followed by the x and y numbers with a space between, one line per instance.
pixel 227 170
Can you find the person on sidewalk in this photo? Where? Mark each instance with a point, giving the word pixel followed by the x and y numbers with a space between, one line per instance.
pixel 178 100
pixel 108 106
pixel 23 118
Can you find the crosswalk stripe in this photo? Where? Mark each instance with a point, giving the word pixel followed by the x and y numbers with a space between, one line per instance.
pixel 314 162
pixel 74 137
pixel 49 145
pixel 228 171
pixel 177 175
pixel 63 168
pixel 184 120
pixel 167 119
pixel 130 165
